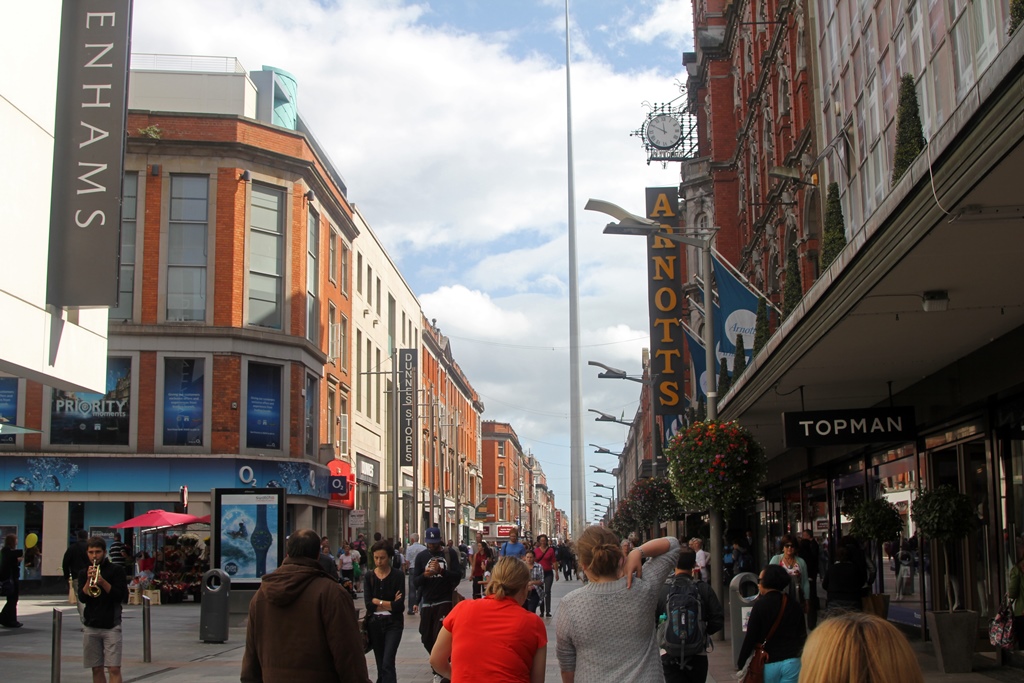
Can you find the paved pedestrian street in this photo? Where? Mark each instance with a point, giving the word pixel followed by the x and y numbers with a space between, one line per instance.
pixel 178 656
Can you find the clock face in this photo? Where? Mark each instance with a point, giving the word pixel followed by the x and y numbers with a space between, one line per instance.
pixel 663 131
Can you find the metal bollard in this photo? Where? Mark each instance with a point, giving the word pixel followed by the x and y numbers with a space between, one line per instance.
pixel 55 646
pixel 147 645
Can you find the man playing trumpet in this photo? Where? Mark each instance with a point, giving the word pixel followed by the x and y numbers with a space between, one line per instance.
pixel 103 586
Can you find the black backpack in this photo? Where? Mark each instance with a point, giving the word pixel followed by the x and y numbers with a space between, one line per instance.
pixel 684 631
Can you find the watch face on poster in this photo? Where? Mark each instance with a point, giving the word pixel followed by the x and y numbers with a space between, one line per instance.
pixel 664 131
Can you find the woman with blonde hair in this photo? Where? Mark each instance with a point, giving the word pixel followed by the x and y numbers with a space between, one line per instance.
pixel 858 647
pixel 606 628
pixel 516 639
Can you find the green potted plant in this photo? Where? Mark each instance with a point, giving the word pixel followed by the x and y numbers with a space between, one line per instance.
pixel 876 520
pixel 946 516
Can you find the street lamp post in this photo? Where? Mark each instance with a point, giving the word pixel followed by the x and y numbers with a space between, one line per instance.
pixel 604 451
pixel 601 470
pixel 605 417
pixel 615 373
pixel 631 224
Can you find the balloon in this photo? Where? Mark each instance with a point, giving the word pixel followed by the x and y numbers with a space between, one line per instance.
pixel 31 540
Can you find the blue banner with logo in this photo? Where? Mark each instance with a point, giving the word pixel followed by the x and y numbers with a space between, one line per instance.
pixel 95 419
pixel 737 314
pixel 263 407
pixel 699 360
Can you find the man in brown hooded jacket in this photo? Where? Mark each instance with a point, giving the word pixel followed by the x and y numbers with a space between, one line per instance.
pixel 302 624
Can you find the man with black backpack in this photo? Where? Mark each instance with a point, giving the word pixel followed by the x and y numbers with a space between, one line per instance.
pixel 690 614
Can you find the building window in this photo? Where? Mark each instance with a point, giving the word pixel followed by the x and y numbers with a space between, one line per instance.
pixel 312 277
pixel 331 426
pixel 369 284
pixel 369 378
pixel 332 332
pixel 266 256
pixel 187 248
pixel 501 510
pixel 359 371
pixel 343 342
pixel 501 449
pixel 126 283
pixel 343 427
pixel 345 255
pixel 501 476
pixel 376 383
pixel 332 268
pixel 359 273
pixel 378 297
pixel 312 411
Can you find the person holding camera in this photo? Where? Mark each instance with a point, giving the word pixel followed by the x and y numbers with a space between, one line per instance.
pixel 436 575
pixel 10 559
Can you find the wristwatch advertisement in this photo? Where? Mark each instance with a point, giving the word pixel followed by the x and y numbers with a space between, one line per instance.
pixel 248 525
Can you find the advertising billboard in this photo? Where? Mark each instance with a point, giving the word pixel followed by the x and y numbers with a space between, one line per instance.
pixel 8 406
pixel 184 386
pixel 249 528
pixel 263 407
pixel 79 418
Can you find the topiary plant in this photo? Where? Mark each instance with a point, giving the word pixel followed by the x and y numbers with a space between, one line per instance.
pixel 834 234
pixel 740 363
pixel 875 520
pixel 792 292
pixel 945 515
pixel 724 382
pixel 909 135
pixel 1016 15
pixel 761 331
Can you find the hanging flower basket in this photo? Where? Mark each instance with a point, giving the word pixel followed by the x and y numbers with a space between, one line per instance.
pixel 652 501
pixel 715 466
pixel 623 523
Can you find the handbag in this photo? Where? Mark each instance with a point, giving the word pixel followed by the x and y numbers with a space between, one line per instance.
pixel 364 631
pixel 1000 628
pixel 755 665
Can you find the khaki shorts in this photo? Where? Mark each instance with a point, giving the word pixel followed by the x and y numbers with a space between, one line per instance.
pixel 101 646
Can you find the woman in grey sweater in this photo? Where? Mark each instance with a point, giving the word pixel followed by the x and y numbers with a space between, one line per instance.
pixel 605 629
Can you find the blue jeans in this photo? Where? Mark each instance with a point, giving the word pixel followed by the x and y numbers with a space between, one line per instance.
pixel 385 635
pixel 786 671
pixel 412 597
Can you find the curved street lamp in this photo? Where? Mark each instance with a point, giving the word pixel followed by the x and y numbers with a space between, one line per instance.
pixel 600 470
pixel 605 417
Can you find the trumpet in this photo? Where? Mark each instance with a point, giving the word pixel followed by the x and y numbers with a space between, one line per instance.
pixel 92 587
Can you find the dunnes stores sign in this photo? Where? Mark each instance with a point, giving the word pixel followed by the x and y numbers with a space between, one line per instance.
pixel 88 153
pixel 408 365
pixel 843 427
pixel 665 282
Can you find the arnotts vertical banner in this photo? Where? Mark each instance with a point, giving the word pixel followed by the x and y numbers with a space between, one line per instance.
pixel 665 281
pixel 88 153
pixel 408 365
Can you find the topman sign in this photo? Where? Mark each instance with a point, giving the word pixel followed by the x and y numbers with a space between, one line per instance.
pixel 843 427
pixel 88 153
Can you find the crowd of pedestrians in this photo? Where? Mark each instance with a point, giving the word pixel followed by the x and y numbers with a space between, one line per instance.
pixel 643 612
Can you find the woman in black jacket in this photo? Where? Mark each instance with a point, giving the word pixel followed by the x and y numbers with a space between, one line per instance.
pixel 787 642
pixel 385 607
pixel 9 569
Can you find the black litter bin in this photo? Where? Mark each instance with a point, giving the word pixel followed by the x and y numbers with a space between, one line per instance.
pixel 213 612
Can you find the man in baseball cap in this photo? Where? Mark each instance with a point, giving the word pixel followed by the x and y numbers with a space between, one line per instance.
pixel 436 574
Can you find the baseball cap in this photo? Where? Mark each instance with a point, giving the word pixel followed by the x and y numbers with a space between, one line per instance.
pixel 432 535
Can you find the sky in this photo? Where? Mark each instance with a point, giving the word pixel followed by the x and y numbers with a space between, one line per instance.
pixel 447 120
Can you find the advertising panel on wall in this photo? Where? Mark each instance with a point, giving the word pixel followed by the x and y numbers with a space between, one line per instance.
pixel 263 407
pixel 8 406
pixel 78 418
pixel 184 385
pixel 249 528
pixel 88 153
pixel 61 473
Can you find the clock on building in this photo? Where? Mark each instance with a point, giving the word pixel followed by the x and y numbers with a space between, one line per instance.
pixel 663 131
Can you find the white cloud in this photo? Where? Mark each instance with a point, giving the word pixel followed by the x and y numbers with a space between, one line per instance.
pixel 455 151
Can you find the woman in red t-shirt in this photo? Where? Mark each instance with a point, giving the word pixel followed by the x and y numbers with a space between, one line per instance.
pixel 480 559
pixel 517 640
